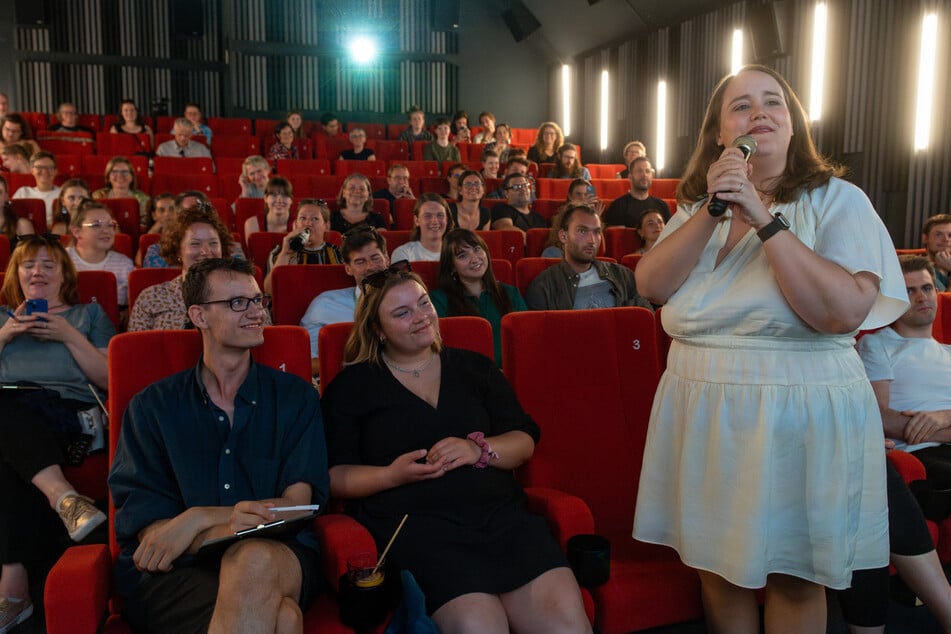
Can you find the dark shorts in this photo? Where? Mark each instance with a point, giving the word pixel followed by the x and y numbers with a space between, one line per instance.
pixel 183 600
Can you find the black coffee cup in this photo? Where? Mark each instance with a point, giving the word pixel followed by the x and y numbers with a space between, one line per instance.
pixel 590 559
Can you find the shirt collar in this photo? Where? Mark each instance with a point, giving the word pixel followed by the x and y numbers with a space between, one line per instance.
pixel 247 392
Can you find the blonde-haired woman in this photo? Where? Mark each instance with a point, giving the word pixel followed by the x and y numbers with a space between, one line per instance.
pixel 547 141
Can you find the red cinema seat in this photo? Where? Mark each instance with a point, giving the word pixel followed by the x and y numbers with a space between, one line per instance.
pixel 429 271
pixel 109 144
pixel 260 245
pixel 402 209
pixel 502 269
pixel 235 145
pixel 126 212
pixel 141 279
pixel 145 241
pixel 99 287
pixel 664 187
pixel 4 252
pixel 206 183
pixel 295 287
pixel 395 238
pixel 420 169
pixel 291 168
pixel 649 586
pixel 611 188
pixel 527 269
pixel 535 240
pixel 80 146
pixel 605 170
pixel 33 209
pixel 228 125
pixel 389 151
pixel 183 166
pixel 16 181
pixel 373 130
pixel 619 241
pixel 367 168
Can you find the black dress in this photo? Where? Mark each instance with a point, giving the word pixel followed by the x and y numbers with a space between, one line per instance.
pixel 339 223
pixel 468 531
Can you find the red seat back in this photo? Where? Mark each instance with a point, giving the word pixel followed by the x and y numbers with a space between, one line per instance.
pixel 141 279
pixel 4 252
pixel 620 241
pixel 469 333
pixel 99 287
pixel 527 269
pixel 33 209
pixel 183 166
pixel 295 287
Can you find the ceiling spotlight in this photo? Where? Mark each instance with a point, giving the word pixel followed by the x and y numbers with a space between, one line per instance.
pixel 363 49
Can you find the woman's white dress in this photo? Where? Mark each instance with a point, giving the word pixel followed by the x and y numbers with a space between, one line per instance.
pixel 764 452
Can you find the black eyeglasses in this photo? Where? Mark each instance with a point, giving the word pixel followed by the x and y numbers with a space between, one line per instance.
pixel 241 304
pixel 378 279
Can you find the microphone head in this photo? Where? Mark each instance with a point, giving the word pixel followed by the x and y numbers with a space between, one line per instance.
pixel 746 143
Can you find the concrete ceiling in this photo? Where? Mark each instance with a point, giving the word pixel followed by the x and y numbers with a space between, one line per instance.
pixel 571 27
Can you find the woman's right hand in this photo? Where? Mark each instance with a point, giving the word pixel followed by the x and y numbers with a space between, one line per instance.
pixel 13 327
pixel 406 469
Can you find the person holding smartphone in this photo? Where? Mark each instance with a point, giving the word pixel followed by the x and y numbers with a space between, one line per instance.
pixel 52 369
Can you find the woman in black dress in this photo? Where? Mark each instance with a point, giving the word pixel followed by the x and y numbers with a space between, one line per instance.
pixel 414 428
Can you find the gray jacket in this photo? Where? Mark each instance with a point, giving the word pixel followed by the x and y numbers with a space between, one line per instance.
pixel 555 287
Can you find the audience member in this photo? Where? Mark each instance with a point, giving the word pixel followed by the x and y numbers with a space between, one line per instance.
pixel 580 280
pixel 417 127
pixel 500 143
pixel 304 243
pixel 469 213
pixel 163 214
pixel 185 200
pixel 278 196
pixel 936 240
pixel 490 164
pixel 94 237
pixel 397 185
pixel 632 150
pixel 330 127
pixel 194 117
pixel 296 120
pixel 12 226
pixel 487 134
pixel 285 146
pixel 364 252
pixel 431 220
pixel 121 182
pixel 441 149
pixel 517 213
pixel 15 129
pixel 130 122
pixel 72 193
pixel 443 450
pixel 909 371
pixel 198 235
pixel 209 452
pixel 182 145
pixel 626 210
pixel 568 164
pixel 460 127
pixel 547 141
pixel 255 172
pixel 58 356
pixel 355 205
pixel 4 104
pixel 358 137
pixel 467 285
pixel 514 166
pixel 67 120
pixel 16 158
pixel 43 167
pixel 580 192
pixel 452 179
pixel 652 225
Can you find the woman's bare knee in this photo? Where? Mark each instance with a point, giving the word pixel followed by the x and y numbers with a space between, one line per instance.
pixel 472 613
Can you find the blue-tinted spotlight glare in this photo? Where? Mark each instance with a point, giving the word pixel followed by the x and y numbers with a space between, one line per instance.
pixel 363 50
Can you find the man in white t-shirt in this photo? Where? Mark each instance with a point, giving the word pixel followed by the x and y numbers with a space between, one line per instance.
pixel 910 372
pixel 43 166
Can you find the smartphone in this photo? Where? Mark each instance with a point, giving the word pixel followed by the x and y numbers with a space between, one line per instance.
pixel 591 191
pixel 36 306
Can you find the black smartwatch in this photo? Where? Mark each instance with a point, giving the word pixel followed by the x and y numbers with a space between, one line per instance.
pixel 778 224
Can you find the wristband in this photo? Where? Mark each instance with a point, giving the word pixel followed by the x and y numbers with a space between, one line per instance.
pixel 487 454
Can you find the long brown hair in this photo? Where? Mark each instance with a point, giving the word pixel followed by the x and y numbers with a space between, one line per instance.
pixel 365 343
pixel 171 244
pixel 805 167
pixel 452 286
pixel 26 248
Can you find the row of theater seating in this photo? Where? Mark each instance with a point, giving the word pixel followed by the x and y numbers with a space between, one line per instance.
pixel 244 126
pixel 295 286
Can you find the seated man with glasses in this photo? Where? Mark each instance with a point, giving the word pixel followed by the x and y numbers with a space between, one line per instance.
pixel 211 451
pixel 43 166
pixel 364 253
pixel 517 213
pixel 305 243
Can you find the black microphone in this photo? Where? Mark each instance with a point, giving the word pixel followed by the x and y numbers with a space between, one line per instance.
pixel 747 145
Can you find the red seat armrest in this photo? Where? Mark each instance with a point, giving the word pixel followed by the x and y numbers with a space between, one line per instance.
pixel 567 515
pixel 907 465
pixel 77 590
pixel 340 536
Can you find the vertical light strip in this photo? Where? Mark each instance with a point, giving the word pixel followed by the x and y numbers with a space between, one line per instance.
pixel 660 153
pixel 926 79
pixel 736 59
pixel 566 99
pixel 604 110
pixel 819 33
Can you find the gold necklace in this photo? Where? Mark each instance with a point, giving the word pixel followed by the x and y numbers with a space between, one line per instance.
pixel 414 371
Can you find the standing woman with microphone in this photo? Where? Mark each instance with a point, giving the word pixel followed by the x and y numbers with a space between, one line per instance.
pixel 764 464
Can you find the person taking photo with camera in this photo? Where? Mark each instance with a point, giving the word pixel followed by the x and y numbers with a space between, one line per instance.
pixel 305 243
